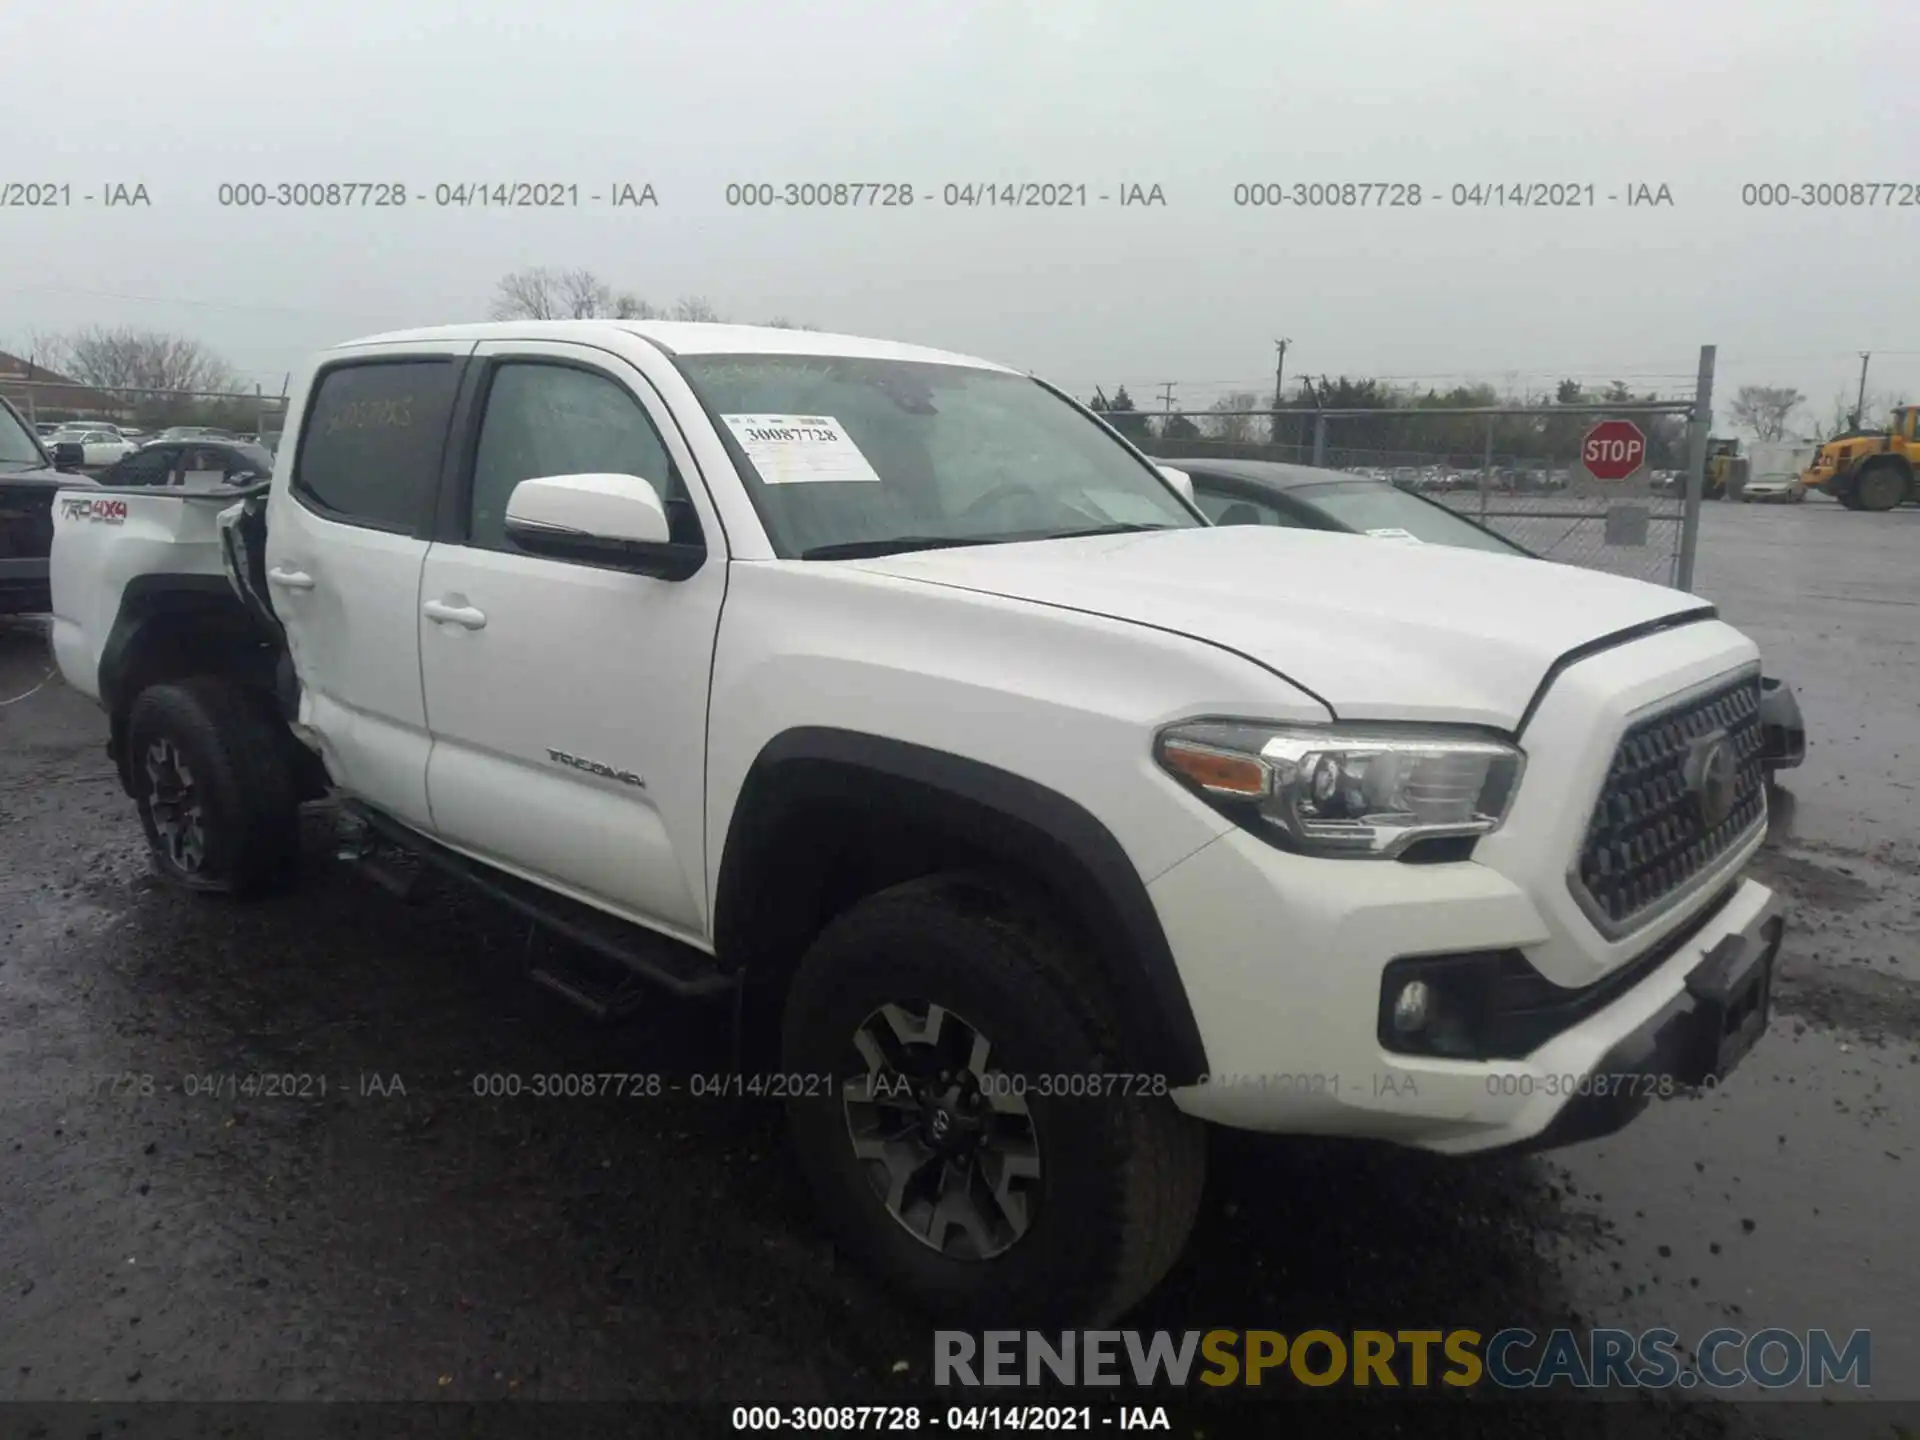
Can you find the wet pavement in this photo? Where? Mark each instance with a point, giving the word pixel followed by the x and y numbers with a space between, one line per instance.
pixel 381 1230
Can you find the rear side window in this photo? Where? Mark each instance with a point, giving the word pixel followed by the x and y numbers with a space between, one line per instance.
pixel 370 452
pixel 146 467
pixel 1224 509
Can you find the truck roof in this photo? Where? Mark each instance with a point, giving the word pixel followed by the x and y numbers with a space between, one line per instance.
pixel 685 337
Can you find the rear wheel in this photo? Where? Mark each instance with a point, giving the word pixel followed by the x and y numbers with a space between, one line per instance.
pixel 1881 486
pixel 215 792
pixel 978 1151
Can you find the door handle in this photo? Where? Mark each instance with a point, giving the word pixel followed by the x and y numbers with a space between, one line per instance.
pixel 464 616
pixel 291 579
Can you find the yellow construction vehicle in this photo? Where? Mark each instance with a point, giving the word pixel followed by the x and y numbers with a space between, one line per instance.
pixel 1726 472
pixel 1870 469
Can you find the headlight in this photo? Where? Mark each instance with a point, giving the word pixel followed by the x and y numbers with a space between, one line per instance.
pixel 1345 790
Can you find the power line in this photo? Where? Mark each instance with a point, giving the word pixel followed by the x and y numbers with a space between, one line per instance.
pixel 174 300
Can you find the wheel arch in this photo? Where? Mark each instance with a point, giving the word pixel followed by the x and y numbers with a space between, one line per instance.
pixel 1888 460
pixel 827 816
pixel 172 626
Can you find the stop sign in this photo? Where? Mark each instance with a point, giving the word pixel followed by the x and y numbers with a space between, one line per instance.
pixel 1613 450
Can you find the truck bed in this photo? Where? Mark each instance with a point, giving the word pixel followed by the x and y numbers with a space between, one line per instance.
pixel 107 541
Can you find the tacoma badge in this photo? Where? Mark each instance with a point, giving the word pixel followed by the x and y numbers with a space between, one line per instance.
pixel 594 767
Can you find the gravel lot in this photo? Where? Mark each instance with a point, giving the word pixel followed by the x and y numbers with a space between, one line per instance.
pixel 373 1245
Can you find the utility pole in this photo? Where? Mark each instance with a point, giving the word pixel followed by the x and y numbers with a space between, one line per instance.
pixel 1166 404
pixel 1860 405
pixel 1279 374
pixel 1699 427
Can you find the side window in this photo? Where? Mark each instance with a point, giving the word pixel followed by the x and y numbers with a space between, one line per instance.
pixel 370 451
pixel 145 467
pixel 1212 503
pixel 202 466
pixel 545 419
pixel 247 464
pixel 1224 509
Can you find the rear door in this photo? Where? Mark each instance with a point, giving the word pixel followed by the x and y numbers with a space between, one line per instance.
pixel 568 701
pixel 347 536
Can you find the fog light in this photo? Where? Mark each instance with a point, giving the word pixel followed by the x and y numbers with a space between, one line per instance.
pixel 1410 1006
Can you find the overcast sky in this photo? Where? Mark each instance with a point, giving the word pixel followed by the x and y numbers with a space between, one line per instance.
pixel 1702 97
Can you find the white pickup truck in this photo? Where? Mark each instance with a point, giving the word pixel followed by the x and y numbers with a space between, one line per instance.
pixel 891 693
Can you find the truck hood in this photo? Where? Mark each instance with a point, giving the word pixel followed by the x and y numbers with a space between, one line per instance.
pixel 1376 630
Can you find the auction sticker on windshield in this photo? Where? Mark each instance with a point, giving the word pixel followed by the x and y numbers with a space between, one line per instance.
pixel 1394 532
pixel 800 449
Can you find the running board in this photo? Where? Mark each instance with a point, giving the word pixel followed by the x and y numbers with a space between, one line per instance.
pixel 607 991
pixel 628 951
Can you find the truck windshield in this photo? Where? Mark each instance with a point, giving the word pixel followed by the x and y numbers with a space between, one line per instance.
pixel 18 449
pixel 860 456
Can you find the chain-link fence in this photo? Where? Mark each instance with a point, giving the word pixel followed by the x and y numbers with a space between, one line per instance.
pixel 1524 471
pixel 144 412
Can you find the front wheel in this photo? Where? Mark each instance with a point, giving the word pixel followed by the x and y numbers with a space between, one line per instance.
pixel 1881 487
pixel 978 1150
pixel 216 795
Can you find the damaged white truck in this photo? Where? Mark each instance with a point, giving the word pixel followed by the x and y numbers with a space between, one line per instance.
pixel 892 694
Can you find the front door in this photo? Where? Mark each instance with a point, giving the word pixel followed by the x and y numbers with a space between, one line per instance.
pixel 568 702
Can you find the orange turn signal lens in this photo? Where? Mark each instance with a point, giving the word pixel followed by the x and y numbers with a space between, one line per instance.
pixel 1216 770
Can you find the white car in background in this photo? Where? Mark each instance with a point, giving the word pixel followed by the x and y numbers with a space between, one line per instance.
pixel 97 447
pixel 1773 471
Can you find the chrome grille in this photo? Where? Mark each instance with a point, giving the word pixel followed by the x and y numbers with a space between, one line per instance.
pixel 1651 836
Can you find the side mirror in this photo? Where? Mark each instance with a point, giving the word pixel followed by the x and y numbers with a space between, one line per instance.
pixel 616 521
pixel 1179 479
pixel 69 455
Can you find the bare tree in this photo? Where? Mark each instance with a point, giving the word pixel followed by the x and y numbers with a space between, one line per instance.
pixel 1840 411
pixel 125 361
pixel 1228 419
pixel 538 293
pixel 1766 409
pixel 527 295
pixel 693 307
pixel 780 322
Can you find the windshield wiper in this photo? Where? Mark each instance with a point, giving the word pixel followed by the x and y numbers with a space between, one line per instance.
pixel 1123 527
pixel 894 545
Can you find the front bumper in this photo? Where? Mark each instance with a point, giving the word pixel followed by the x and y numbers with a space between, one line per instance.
pixel 1694 1041
pixel 1283 958
pixel 1782 731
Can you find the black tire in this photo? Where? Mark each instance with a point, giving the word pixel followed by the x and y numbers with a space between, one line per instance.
pixel 1844 492
pixel 1121 1170
pixel 1884 485
pixel 232 827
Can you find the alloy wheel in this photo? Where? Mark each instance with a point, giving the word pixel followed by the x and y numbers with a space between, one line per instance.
pixel 174 800
pixel 946 1141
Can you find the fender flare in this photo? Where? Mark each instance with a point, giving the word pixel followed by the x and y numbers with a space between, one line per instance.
pixel 145 631
pixel 1014 818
